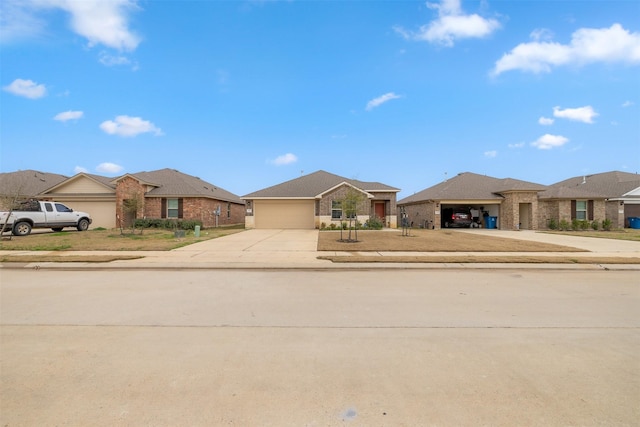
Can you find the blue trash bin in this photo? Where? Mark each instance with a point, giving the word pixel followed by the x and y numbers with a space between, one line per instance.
pixel 491 221
pixel 634 222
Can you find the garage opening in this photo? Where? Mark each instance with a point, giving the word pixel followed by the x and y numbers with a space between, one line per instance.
pixel 468 215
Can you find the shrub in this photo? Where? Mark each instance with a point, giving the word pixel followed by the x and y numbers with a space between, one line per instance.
pixel 374 223
pixel 564 225
pixel 553 224
pixel 169 224
pixel 579 224
pixel 594 225
pixel 323 226
pixel 606 224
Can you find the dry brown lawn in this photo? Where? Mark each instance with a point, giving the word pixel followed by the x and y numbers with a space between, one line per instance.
pixel 458 244
pixel 431 241
pixel 110 240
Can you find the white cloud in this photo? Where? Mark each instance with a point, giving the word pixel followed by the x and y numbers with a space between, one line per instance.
pixel 491 154
pixel 626 104
pixel 100 22
pixel 113 60
pixel 80 169
pixel 376 102
pixel 545 121
pixel 285 159
pixel 547 141
pixel 452 24
pixel 108 168
pixel 588 45
pixel 129 126
pixel 26 88
pixel 541 34
pixel 517 145
pixel 68 115
pixel 581 114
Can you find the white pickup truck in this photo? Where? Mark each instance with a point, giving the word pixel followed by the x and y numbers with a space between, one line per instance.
pixel 37 214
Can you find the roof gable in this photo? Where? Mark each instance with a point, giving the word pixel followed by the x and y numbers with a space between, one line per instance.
pixel 83 183
pixel 345 184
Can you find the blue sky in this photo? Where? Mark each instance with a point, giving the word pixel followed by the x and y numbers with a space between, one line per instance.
pixel 248 94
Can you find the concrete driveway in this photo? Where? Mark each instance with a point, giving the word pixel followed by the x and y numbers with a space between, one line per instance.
pixel 258 240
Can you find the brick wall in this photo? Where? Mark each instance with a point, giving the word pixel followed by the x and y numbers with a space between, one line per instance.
pixel 510 210
pixel 365 207
pixel 560 210
pixel 193 208
pixel 129 189
pixel 423 215
pixel 201 209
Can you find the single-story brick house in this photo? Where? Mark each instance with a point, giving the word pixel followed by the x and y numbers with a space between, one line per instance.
pixel 312 200
pixel 513 202
pixel 520 204
pixel 610 195
pixel 164 193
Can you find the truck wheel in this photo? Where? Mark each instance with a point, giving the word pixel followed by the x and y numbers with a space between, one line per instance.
pixel 21 229
pixel 83 225
pixel 57 229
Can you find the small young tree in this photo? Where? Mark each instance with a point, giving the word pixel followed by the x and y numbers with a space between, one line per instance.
pixel 13 193
pixel 133 204
pixel 351 203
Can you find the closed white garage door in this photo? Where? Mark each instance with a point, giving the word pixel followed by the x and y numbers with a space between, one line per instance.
pixel 103 214
pixel 284 214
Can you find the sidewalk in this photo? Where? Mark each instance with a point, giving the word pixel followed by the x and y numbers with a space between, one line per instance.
pixel 296 249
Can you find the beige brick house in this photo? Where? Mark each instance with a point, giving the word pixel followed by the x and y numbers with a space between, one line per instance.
pixel 525 205
pixel 610 195
pixel 312 200
pixel 513 203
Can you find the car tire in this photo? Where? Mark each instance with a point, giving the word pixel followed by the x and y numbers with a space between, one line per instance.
pixel 21 228
pixel 83 225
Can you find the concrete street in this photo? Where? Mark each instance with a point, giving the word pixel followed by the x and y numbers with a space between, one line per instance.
pixel 319 347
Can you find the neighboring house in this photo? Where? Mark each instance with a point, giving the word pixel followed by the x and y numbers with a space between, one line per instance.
pixel 513 203
pixel 168 193
pixel 610 195
pixel 165 193
pixel 312 200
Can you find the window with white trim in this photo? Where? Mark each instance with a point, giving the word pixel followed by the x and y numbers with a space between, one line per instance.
pixel 172 208
pixel 336 209
pixel 581 209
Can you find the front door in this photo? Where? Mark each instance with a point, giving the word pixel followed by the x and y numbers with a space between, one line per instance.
pixel 379 211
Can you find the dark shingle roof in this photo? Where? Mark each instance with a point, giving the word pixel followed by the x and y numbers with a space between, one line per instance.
pixel 28 183
pixel 606 185
pixel 313 185
pixel 170 182
pixel 472 186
